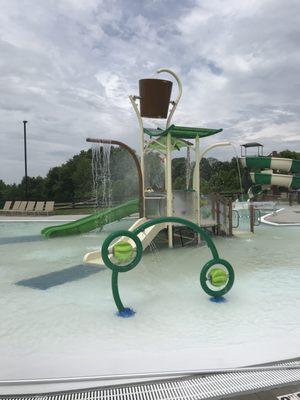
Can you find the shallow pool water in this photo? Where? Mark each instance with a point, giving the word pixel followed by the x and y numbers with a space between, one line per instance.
pixel 71 328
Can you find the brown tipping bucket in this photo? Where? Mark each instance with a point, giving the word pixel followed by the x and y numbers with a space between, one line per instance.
pixel 155 97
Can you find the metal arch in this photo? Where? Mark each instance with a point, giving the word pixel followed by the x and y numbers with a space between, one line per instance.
pixel 181 221
pixel 175 103
pixel 155 221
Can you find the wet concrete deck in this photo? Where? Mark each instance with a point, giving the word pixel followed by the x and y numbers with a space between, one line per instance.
pixel 40 218
pixel 289 215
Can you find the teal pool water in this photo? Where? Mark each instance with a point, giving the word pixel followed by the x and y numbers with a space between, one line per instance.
pixel 67 325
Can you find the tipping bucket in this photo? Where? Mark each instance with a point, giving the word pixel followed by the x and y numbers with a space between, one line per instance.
pixel 155 97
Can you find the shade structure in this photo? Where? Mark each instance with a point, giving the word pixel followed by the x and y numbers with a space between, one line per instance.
pixel 182 132
pixel 160 144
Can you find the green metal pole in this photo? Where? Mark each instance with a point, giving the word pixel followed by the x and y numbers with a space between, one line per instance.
pixel 115 291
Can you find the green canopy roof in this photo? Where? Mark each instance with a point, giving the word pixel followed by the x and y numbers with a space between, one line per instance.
pixel 160 144
pixel 182 132
pixel 252 144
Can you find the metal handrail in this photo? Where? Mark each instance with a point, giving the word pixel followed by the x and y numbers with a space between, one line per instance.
pixel 257 221
pixel 238 219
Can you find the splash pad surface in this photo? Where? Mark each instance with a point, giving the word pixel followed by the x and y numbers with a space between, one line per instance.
pixel 69 327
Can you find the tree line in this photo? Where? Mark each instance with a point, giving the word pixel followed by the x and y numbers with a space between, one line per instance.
pixel 73 180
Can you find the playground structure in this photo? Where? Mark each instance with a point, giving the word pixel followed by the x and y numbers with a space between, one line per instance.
pixel 179 203
pixel 166 210
pixel 173 210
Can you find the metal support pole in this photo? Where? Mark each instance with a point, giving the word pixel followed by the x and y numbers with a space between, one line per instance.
pixel 229 205
pixel 290 196
pixel 142 146
pixel 206 150
pixel 218 215
pixel 169 188
pixel 197 179
pixel 251 216
pixel 174 103
pixel 25 159
pixel 168 178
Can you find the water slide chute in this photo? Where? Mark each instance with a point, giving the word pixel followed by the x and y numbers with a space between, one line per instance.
pixel 266 177
pixel 274 163
pixel 270 179
pixel 93 221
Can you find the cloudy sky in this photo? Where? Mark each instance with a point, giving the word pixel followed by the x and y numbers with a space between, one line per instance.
pixel 68 66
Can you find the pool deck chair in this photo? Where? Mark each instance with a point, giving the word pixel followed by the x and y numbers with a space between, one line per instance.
pixel 22 208
pixel 14 208
pixel 30 207
pixel 39 208
pixel 49 207
pixel 6 207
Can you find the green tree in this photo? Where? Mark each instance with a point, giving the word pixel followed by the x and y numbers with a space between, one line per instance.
pixel 289 154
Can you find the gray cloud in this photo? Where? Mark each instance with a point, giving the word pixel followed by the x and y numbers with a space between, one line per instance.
pixel 68 67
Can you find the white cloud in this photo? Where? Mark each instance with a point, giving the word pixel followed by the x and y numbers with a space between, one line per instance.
pixel 69 66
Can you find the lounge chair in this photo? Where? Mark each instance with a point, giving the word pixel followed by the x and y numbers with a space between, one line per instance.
pixel 30 207
pixel 21 208
pixel 15 207
pixel 6 207
pixel 39 207
pixel 49 207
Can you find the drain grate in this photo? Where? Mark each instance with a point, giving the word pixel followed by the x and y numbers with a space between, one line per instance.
pixel 217 385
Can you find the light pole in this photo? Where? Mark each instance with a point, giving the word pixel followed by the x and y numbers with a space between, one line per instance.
pixel 25 159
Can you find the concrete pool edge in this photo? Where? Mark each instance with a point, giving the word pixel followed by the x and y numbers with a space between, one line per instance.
pixel 169 363
pixel 254 379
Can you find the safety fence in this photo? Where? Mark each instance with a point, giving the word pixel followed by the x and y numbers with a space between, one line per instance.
pixel 294 197
pixel 218 209
pixel 85 204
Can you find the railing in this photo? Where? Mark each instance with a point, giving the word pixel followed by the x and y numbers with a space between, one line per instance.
pixel 78 205
pixel 237 214
pixel 257 217
pixel 222 214
pixel 294 197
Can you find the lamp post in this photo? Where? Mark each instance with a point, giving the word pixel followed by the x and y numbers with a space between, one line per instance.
pixel 25 159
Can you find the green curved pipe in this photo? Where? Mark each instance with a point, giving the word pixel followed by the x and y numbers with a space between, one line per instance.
pixel 115 291
pixel 181 221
